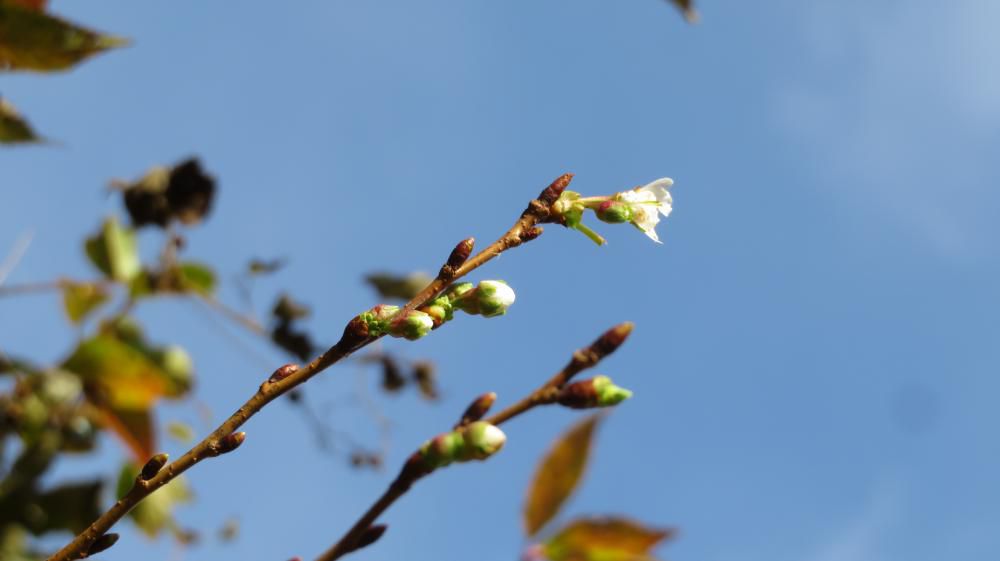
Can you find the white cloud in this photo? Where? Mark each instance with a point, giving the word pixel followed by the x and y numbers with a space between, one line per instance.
pixel 899 105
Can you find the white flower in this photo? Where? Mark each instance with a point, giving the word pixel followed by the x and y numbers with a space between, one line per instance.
pixel 648 202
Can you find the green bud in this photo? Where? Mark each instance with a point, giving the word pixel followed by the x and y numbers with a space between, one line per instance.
pixel 482 440
pixel 413 325
pixel 614 212
pixel 494 297
pixel 440 310
pixel 378 318
pixel 609 394
pixel 443 449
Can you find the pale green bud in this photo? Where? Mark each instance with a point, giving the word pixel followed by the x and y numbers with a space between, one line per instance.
pixel 440 309
pixel 482 440
pixel 609 394
pixel 378 318
pixel 413 325
pixel 494 297
pixel 477 441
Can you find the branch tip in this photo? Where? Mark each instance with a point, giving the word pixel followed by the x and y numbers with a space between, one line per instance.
pixel 552 192
pixel 477 409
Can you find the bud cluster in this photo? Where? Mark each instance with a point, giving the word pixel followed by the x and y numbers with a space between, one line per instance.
pixel 476 441
pixel 490 298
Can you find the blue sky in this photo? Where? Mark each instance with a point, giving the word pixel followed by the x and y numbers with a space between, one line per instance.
pixel 815 358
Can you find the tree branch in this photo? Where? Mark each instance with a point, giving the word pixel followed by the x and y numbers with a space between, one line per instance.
pixel 284 379
pixel 415 468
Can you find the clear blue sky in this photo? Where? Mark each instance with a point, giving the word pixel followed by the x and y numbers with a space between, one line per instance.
pixel 815 359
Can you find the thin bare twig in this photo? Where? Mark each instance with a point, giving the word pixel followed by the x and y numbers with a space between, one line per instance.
pixel 356 336
pixel 21 246
pixel 414 469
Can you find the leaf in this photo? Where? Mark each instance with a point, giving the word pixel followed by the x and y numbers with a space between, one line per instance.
pixel 69 507
pixel 184 193
pixel 14 128
pixel 286 309
pixel 33 40
pixel 265 267
pixel 181 432
pixel 687 8
pixel 604 539
pixel 124 377
pixel 558 474
pixel 155 513
pixel 81 298
pixel 114 251
pixel 196 277
pixel 395 286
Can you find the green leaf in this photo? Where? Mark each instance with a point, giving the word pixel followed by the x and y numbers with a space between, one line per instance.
pixel 604 539
pixel 14 128
pixel 558 474
pixel 69 507
pixel 33 40
pixel 181 432
pixel 79 299
pixel 402 287
pixel 196 277
pixel 156 512
pixel 114 251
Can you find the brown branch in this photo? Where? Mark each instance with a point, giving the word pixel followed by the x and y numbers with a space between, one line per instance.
pixel 546 394
pixel 355 337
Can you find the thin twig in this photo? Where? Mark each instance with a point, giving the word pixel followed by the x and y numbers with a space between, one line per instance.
pixel 545 394
pixel 355 337
pixel 21 246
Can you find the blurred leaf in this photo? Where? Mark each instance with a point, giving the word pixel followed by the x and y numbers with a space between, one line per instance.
pixel 196 277
pixel 114 251
pixel 69 507
pixel 687 8
pixel 426 378
pixel 558 474
pixel 401 287
pixel 32 40
pixel 181 432
pixel 81 298
pixel 184 193
pixel 286 309
pixel 297 343
pixel 124 376
pixel 155 513
pixel 265 267
pixel 604 539
pixel 14 128
pixel 37 5
pixel 230 530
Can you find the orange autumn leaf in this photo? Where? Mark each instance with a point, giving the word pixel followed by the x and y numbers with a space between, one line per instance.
pixel 558 474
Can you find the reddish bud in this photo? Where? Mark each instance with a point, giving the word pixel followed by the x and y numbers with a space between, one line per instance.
pixel 612 339
pixel 102 543
pixel 478 409
pixel 552 192
pixel 283 372
pixel 461 252
pixel 231 442
pixel 153 466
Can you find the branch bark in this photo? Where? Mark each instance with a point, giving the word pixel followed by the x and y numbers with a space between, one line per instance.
pixel 355 337
pixel 414 469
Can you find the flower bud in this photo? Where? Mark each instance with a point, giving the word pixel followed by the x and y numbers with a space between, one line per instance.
pixel 490 299
pixel 153 466
pixel 101 544
pixel 412 325
pixel 476 441
pixel 482 440
pixel 598 391
pixel 440 310
pixel 614 212
pixel 461 253
pixel 378 318
pixel 494 297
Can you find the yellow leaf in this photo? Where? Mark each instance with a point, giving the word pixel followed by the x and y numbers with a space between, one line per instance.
pixel 558 474
pixel 33 40
pixel 81 298
pixel 604 539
